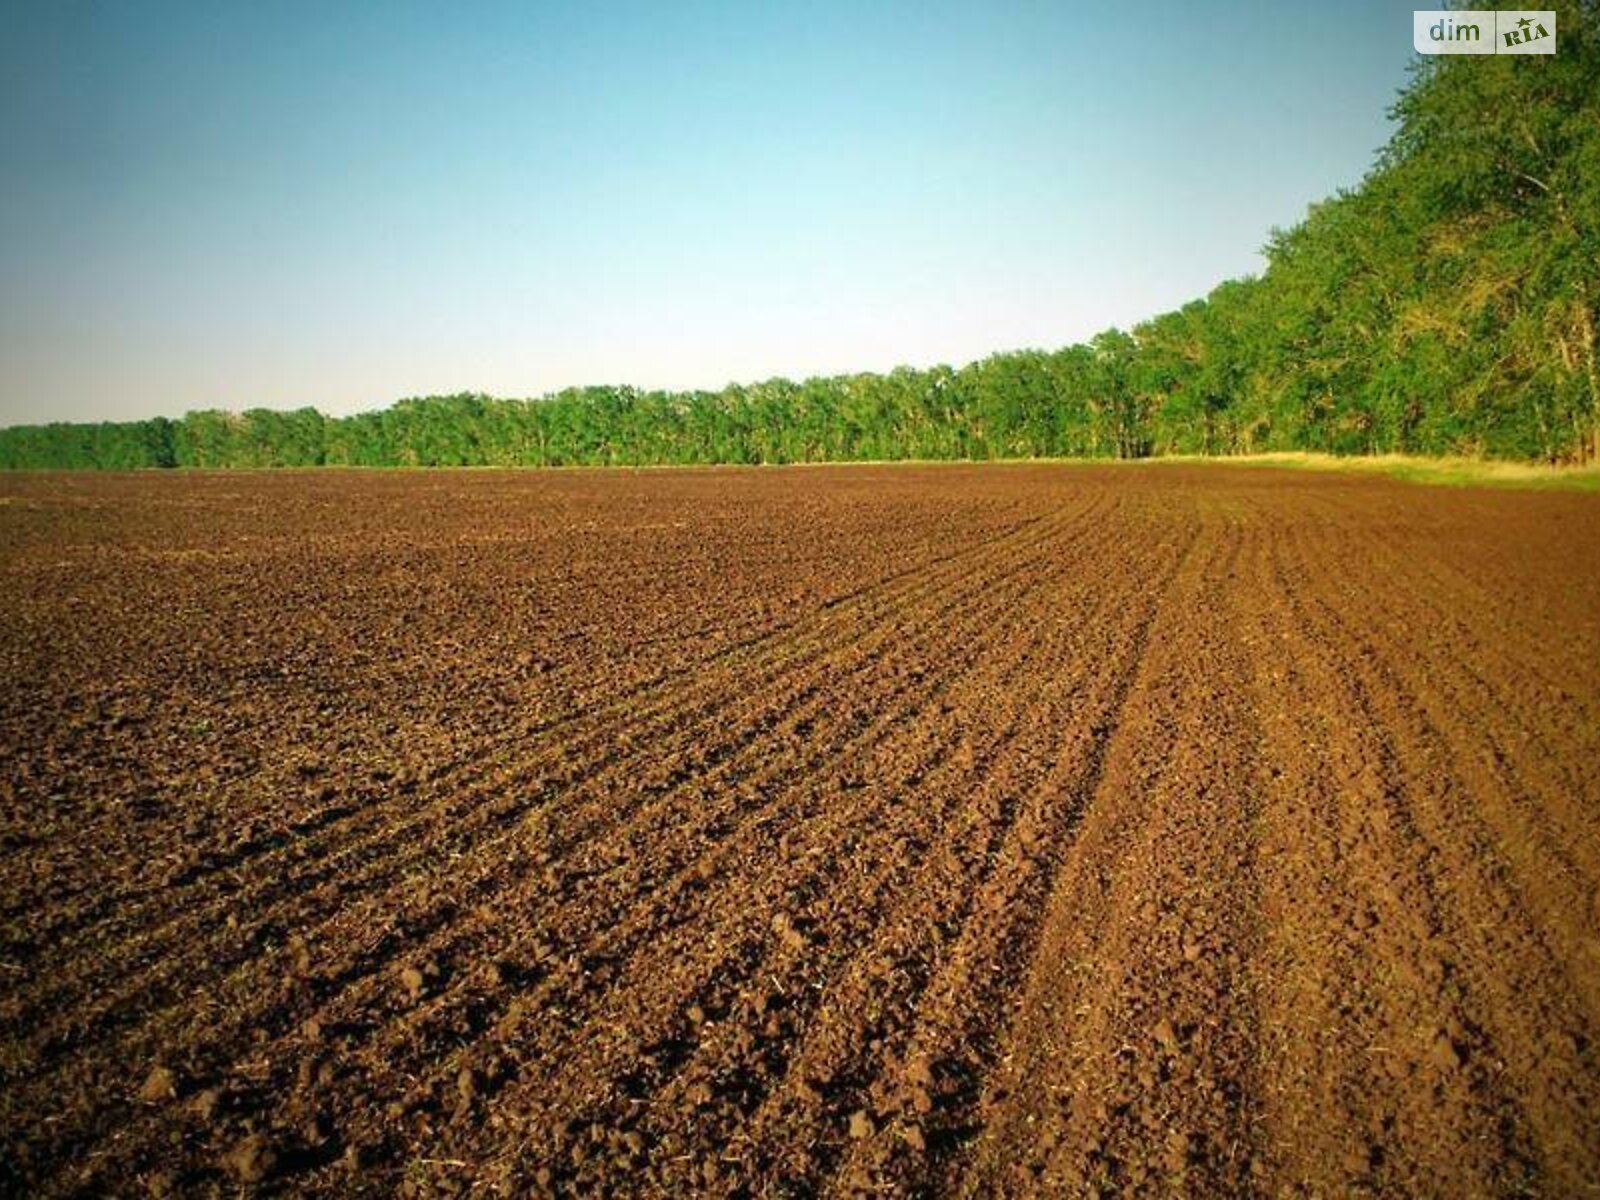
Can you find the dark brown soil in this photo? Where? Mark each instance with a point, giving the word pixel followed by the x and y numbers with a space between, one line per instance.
pixel 958 831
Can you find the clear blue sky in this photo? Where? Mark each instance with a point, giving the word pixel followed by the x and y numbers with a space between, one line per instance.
pixel 281 204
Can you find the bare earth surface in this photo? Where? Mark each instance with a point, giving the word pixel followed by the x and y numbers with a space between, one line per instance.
pixel 957 831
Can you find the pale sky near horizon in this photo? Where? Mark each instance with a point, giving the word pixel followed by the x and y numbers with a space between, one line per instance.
pixel 236 205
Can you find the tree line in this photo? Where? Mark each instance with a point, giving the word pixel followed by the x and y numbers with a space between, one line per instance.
pixel 1446 305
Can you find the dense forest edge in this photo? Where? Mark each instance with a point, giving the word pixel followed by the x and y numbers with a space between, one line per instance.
pixel 1445 306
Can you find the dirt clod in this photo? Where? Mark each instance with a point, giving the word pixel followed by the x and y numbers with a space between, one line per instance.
pixel 413 981
pixel 1444 1054
pixel 161 1084
pixel 252 1160
pixel 207 1103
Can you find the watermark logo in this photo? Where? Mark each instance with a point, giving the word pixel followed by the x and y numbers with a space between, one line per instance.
pixel 1465 31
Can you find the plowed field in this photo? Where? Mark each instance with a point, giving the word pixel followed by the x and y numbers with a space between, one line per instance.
pixel 955 831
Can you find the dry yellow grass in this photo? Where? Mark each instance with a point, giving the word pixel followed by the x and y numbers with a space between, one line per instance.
pixel 1449 472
